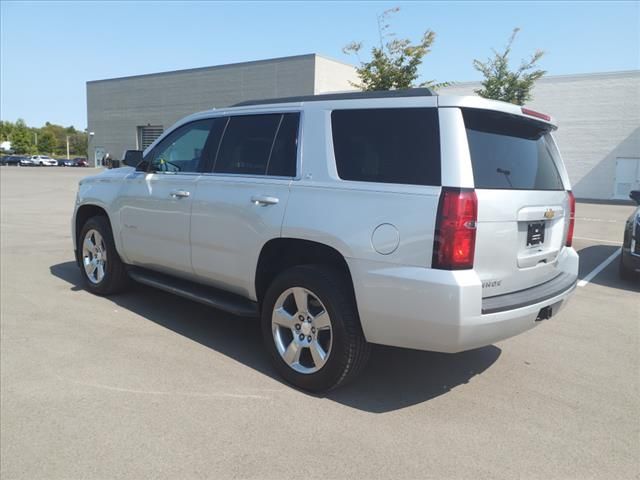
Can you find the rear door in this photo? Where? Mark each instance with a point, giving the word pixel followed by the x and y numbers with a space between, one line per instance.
pixel 240 204
pixel 523 208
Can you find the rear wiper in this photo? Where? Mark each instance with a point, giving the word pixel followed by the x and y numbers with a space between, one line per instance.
pixel 506 174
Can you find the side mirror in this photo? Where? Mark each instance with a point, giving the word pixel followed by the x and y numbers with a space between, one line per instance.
pixel 635 196
pixel 132 158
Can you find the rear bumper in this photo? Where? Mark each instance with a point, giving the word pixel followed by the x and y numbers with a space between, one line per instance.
pixel 523 298
pixel 440 310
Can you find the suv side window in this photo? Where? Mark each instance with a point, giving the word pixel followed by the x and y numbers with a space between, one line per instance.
pixel 259 145
pixel 391 145
pixel 284 154
pixel 182 151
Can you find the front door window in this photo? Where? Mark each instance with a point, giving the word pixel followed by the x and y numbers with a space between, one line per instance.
pixel 183 150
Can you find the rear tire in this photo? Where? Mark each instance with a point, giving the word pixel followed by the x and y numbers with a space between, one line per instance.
pixel 624 272
pixel 325 334
pixel 103 272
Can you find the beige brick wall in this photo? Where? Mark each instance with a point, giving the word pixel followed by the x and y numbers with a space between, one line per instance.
pixel 333 76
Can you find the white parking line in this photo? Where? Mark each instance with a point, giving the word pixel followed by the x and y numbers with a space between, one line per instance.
pixel 599 268
pixel 599 240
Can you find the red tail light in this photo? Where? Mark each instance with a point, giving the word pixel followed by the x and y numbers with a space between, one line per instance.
pixel 455 240
pixel 533 113
pixel 572 218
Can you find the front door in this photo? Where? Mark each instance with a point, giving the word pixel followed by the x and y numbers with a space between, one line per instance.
pixel 155 205
pixel 99 154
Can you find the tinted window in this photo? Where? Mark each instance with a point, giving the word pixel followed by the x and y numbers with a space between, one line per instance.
pixel 510 152
pixel 182 151
pixel 246 145
pixel 387 145
pixel 284 154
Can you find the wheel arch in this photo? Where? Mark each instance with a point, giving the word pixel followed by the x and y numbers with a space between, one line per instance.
pixel 84 213
pixel 279 254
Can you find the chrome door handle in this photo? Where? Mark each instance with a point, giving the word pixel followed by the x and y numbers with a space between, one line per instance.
pixel 264 200
pixel 180 194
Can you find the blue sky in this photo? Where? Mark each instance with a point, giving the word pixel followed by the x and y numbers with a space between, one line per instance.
pixel 50 49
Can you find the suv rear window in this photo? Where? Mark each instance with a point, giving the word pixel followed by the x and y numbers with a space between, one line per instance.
pixel 510 152
pixel 391 145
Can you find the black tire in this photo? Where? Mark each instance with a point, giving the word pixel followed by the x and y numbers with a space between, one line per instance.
pixel 349 350
pixel 115 275
pixel 624 272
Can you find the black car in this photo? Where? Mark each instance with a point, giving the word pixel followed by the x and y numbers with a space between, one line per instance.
pixel 630 258
pixel 12 160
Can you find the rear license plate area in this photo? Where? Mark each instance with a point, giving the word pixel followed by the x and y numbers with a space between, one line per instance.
pixel 535 234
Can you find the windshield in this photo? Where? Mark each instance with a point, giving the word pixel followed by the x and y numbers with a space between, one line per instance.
pixel 510 152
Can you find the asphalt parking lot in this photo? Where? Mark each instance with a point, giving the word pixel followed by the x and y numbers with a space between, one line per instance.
pixel 148 385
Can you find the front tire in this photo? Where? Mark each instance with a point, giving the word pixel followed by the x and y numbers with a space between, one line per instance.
pixel 311 328
pixel 102 269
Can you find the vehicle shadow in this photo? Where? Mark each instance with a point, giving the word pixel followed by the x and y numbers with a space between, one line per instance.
pixel 395 378
pixel 592 256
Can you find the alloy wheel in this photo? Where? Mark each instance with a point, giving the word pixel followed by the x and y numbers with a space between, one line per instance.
pixel 94 256
pixel 302 330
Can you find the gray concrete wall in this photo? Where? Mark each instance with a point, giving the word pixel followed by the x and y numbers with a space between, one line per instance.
pixel 598 117
pixel 116 107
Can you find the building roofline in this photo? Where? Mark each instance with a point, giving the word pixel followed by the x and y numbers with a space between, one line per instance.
pixel 616 73
pixel 331 59
pixel 218 67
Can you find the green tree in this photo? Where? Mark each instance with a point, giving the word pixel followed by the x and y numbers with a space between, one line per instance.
pixel 501 83
pixel 60 134
pixel 394 63
pixel 21 138
pixel 47 142
pixel 6 129
pixel 78 144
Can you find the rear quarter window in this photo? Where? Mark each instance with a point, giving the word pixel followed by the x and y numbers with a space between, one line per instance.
pixel 510 152
pixel 395 145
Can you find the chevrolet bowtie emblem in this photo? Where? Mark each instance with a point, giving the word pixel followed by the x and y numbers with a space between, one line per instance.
pixel 549 214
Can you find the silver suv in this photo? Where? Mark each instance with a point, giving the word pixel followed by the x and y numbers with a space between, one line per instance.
pixel 399 218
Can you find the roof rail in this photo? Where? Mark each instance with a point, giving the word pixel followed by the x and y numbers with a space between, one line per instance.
pixel 405 92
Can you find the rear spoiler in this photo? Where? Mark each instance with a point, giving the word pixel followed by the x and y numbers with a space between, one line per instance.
pixel 495 105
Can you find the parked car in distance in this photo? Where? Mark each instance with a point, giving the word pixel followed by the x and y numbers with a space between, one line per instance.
pixel 67 162
pixel 400 218
pixel 26 162
pixel 43 161
pixel 80 162
pixel 11 160
pixel 629 267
